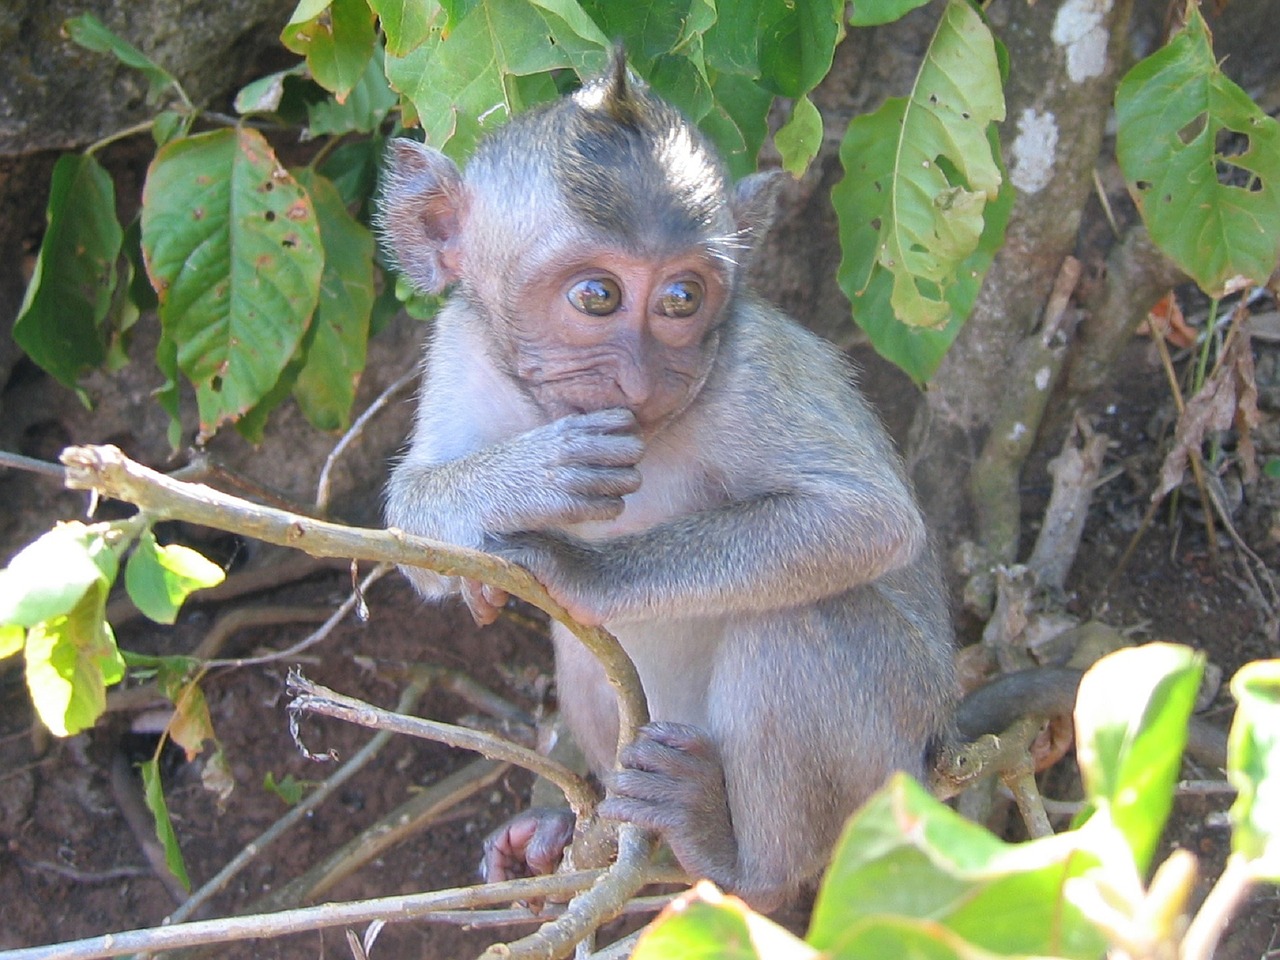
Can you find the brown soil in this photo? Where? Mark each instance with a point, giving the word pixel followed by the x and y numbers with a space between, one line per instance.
pixel 66 841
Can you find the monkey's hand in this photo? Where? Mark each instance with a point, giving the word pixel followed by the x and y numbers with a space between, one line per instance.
pixel 530 843
pixel 572 470
pixel 671 781
pixel 566 567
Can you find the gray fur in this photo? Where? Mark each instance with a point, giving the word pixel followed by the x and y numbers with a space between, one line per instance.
pixel 757 550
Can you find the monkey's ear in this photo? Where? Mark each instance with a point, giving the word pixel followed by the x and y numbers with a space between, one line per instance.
pixel 755 199
pixel 420 213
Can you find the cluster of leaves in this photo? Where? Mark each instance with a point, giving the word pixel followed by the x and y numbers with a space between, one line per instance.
pixel 53 599
pixel 910 877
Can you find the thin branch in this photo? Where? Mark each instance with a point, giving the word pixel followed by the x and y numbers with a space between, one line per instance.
pixel 300 811
pixel 323 484
pixel 43 468
pixel 311 697
pixel 107 471
pixel 228 930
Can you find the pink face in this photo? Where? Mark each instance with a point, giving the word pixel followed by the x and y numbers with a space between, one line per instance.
pixel 615 330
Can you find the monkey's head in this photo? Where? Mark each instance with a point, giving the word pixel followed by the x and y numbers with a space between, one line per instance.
pixel 598 238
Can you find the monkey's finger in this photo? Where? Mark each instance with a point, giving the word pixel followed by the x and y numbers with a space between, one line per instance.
pixel 605 480
pixel 609 420
pixel 485 602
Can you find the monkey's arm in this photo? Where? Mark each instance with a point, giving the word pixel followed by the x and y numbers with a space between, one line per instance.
pixel 768 552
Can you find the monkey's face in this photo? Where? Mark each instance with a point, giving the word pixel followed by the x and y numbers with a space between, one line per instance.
pixel 612 329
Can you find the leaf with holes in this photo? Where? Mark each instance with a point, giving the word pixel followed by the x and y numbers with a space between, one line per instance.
pixel 1202 162
pixel 462 88
pixel 63 319
pixel 920 174
pixel 233 249
pixel 338 43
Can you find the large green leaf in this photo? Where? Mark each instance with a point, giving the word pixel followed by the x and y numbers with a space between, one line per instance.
pixel 406 23
pixel 1131 726
pixel 797 43
pixel 907 857
pixel 1215 211
pixel 337 43
pixel 919 350
pixel 363 110
pixel 920 174
pixel 1253 766
pixel 326 385
pixel 61 322
pixel 706 925
pixel 870 13
pixel 462 85
pixel 92 34
pixel 233 249
pixel 49 577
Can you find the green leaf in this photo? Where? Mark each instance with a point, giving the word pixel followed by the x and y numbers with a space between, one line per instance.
pixel 797 43
pixel 168 394
pixel 1131 726
pixel 92 34
pixel 153 791
pixel 647 30
pixel 191 726
pixel 871 13
pixel 326 386
pixel 800 137
pixel 462 87
pixel 61 322
pixel 49 577
pixel 906 856
pixel 1176 113
pixel 337 42
pixel 738 121
pixel 71 660
pixel 920 173
pixel 266 94
pixel 1253 766
pixel 159 579
pixel 291 790
pixel 704 923
pixel 233 249
pixel 12 639
pixel 406 23
pixel 353 168
pixel 363 110
pixel 918 350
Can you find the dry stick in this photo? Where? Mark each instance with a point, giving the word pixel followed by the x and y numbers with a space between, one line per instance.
pixel 311 697
pixel 408 698
pixel 323 485
pixel 1022 784
pixel 416 813
pixel 1075 476
pixel 231 929
pixel 108 472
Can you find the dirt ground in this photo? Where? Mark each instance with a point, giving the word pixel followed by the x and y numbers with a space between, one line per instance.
pixel 71 867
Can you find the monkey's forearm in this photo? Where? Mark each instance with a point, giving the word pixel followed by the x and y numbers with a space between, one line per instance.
pixel 771 552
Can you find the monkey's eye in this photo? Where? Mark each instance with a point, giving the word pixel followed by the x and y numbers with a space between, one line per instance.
pixel 680 299
pixel 598 297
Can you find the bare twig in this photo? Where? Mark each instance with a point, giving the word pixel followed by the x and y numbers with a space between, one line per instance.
pixel 300 811
pixel 109 472
pixel 410 817
pixel 43 468
pixel 232 929
pixel 323 484
pixel 1075 474
pixel 313 698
